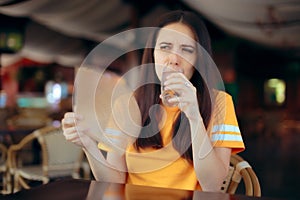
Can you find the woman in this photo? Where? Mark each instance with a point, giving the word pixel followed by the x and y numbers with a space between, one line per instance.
pixel 187 151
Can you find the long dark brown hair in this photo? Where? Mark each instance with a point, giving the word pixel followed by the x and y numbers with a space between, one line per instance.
pixel 148 95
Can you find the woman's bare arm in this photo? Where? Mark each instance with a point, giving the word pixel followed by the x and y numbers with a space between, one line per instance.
pixel 111 168
pixel 211 163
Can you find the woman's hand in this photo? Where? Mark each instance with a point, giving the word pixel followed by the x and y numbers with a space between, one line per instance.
pixel 187 99
pixel 109 169
pixel 73 132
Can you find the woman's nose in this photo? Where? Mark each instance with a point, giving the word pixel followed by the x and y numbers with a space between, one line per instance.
pixel 174 59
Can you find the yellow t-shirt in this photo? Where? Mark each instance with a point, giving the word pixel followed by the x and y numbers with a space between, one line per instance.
pixel 165 168
pixel 225 130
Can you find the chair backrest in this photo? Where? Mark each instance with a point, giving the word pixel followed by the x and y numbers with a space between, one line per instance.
pixel 3 152
pixel 241 170
pixel 23 122
pixel 3 156
pixel 57 153
pixel 3 168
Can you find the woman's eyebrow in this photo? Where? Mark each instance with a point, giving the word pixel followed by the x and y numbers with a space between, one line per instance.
pixel 188 45
pixel 168 43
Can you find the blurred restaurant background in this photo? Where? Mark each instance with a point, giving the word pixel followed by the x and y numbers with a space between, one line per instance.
pixel 256 46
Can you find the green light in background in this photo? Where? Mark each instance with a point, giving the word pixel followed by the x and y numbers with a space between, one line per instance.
pixel 10 40
pixel 275 91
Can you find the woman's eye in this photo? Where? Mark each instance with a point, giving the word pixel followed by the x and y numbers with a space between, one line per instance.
pixel 165 47
pixel 188 50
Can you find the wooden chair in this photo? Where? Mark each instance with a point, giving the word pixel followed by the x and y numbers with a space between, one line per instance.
pixel 60 158
pixel 3 168
pixel 29 119
pixel 241 170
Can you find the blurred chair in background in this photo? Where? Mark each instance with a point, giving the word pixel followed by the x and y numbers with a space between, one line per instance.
pixel 3 118
pixel 59 158
pixel 29 119
pixel 3 169
pixel 23 123
pixel 241 169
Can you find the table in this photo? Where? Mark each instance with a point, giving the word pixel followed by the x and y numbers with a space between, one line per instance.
pixel 78 189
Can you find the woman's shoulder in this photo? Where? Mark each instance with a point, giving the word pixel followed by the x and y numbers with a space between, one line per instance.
pixel 219 95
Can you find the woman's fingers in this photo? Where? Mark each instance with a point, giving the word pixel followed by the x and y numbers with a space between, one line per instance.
pixel 70 119
pixel 74 130
pixel 187 94
pixel 178 82
pixel 72 115
pixel 75 134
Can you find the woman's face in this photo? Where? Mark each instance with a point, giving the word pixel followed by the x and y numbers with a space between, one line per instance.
pixel 175 47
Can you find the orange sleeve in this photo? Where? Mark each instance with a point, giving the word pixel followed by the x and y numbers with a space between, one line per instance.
pixel 226 132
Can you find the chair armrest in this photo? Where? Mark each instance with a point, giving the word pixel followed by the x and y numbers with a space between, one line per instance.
pixel 13 149
pixel 3 150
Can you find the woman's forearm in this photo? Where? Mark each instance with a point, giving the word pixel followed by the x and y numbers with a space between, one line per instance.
pixel 106 169
pixel 211 164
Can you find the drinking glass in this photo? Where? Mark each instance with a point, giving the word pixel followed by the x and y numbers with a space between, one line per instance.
pixel 168 94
